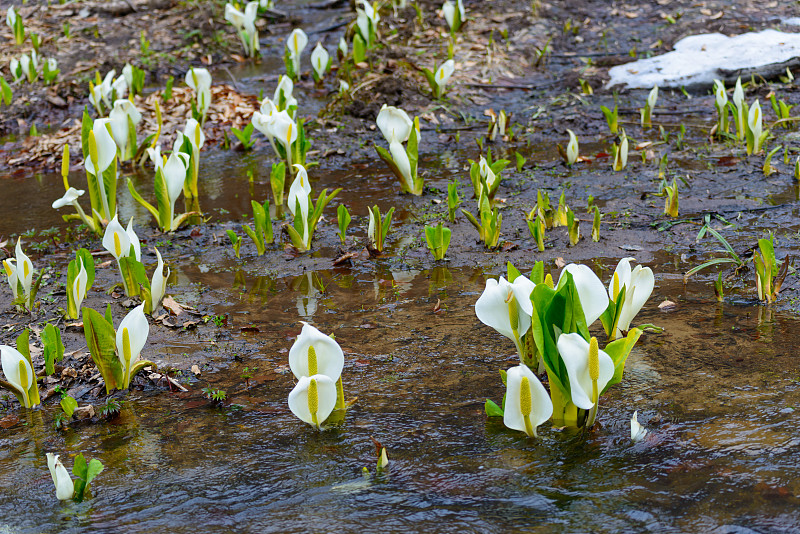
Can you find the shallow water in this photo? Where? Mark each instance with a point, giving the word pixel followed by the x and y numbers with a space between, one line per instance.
pixel 717 391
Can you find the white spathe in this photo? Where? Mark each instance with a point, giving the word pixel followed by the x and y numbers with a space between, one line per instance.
pixel 158 285
pixel 299 192
pixel 310 408
pixel 700 59
pixel 134 328
pixel 591 291
pixel 639 283
pixel 122 111
pixel 574 351
pixel 443 74
pixel 394 123
pixel 572 148
pixel 638 432
pixel 326 351
pixel 116 239
pixel 65 488
pixel 319 60
pixel 106 149
pixel 540 406
pixel 79 286
pixel 17 371
pixel 70 197
pixel 492 307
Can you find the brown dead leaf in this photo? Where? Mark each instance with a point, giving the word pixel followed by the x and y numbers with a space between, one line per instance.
pixel 172 305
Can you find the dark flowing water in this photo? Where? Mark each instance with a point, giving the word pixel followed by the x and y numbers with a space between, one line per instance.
pixel 718 392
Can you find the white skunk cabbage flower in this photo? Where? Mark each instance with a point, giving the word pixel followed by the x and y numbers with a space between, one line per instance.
pixel 65 488
pixel 638 432
pixel 18 372
pixel 70 197
pixel 591 291
pixel 319 60
pixel 122 111
pixel 443 74
pixel 394 123
pixel 78 288
pixel 106 148
pixel 652 97
pixel 589 368
pixel 158 286
pixel 116 239
pixel 528 404
pixel 174 171
pixel 19 270
pixel 283 98
pixel 11 17
pixel 487 173
pixel 572 148
pixel 314 353
pixel 507 307
pixel 313 399
pixel 639 284
pixel 449 12
pixel 130 339
pixel 296 43
pixel 199 80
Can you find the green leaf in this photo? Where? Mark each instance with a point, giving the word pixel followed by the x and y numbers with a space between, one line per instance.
pixel 256 239
pixel 513 272
pixel 138 198
pixel 68 404
pixel 101 340
pixel 492 409
pixel 53 347
pixel 162 199
pixel 86 127
pixel 619 351
pixel 537 273
pixel 134 273
pixel 5 92
pixel 387 221
pixel 359 49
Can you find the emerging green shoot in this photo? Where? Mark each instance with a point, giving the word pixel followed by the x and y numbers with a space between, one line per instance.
pixel 236 241
pixel 343 218
pixel 612 118
pixel 378 228
pixel 649 106
pixel 262 234
pixel 487 223
pixel 454 200
pixel 671 200
pixel 767 167
pixel 438 239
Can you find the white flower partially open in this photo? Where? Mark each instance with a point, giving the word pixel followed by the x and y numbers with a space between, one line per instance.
pixel 638 432
pixel 572 148
pixel 65 488
pixel 78 288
